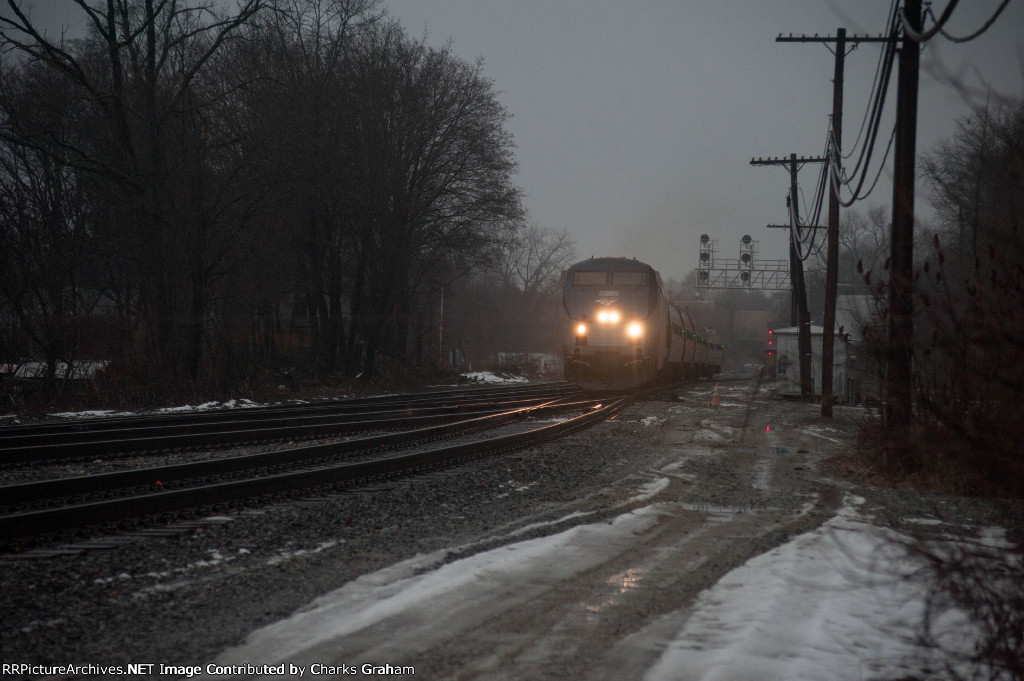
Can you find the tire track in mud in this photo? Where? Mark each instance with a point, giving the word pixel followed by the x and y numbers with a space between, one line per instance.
pixel 612 620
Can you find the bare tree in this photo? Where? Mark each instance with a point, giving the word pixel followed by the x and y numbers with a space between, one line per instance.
pixel 863 244
pixel 533 259
pixel 432 165
pixel 43 230
pixel 295 57
pixel 971 293
pixel 138 72
pixel 228 158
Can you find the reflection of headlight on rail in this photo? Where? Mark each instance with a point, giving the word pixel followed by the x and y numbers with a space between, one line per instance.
pixel 635 330
pixel 581 330
pixel 608 316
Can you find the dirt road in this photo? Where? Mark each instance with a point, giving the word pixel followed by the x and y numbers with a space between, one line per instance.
pixel 599 599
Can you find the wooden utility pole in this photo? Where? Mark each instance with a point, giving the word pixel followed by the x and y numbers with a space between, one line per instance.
pixel 836 158
pixel 800 314
pixel 901 303
pixel 804 337
pixel 832 252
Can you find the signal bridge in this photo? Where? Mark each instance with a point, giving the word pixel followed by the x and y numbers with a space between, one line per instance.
pixel 744 272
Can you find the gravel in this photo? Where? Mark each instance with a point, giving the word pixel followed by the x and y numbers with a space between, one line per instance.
pixel 183 598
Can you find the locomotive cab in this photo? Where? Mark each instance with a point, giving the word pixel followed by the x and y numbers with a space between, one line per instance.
pixel 619 329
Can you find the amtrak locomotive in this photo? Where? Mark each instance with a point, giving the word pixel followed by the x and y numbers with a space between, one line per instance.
pixel 622 332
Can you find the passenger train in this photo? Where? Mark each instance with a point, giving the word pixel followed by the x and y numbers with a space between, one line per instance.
pixel 622 332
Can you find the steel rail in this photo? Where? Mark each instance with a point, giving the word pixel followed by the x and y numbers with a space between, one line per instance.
pixel 9 432
pixel 184 436
pixel 168 474
pixel 94 513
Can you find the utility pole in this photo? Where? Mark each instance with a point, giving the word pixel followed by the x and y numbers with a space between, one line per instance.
pixel 832 252
pixel 804 337
pixel 800 315
pixel 901 304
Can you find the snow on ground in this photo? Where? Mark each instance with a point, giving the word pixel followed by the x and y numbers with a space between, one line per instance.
pixel 474 377
pixel 205 406
pixel 836 603
pixel 91 413
pixel 491 377
pixel 445 597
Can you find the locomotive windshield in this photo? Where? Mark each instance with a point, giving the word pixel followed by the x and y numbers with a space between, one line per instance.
pixel 626 291
pixel 586 278
pixel 590 278
pixel 629 278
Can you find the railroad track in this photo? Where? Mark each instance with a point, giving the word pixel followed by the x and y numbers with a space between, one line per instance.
pixel 55 506
pixel 52 441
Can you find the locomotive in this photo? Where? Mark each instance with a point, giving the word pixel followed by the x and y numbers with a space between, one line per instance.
pixel 621 331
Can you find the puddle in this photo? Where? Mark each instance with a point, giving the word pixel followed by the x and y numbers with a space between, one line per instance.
pixel 771 451
pixel 621 583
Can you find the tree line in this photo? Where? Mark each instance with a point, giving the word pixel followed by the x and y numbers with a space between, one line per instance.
pixel 206 197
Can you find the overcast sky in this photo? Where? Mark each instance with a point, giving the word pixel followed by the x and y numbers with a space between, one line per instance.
pixel 636 121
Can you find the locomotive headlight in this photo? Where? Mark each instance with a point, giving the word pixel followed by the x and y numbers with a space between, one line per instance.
pixel 608 316
pixel 602 316
pixel 635 330
pixel 581 330
pixel 613 316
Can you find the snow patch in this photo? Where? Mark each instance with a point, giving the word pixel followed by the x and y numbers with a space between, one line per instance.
pixel 491 377
pixel 285 555
pixel 850 606
pixel 91 413
pixel 650 490
pixel 445 597
pixel 705 435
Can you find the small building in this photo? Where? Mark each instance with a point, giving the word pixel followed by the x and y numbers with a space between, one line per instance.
pixel 858 315
pixel 787 364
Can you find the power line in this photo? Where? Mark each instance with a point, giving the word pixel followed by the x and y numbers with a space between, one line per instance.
pixel 875 81
pixel 881 167
pixel 875 109
pixel 873 113
pixel 985 27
